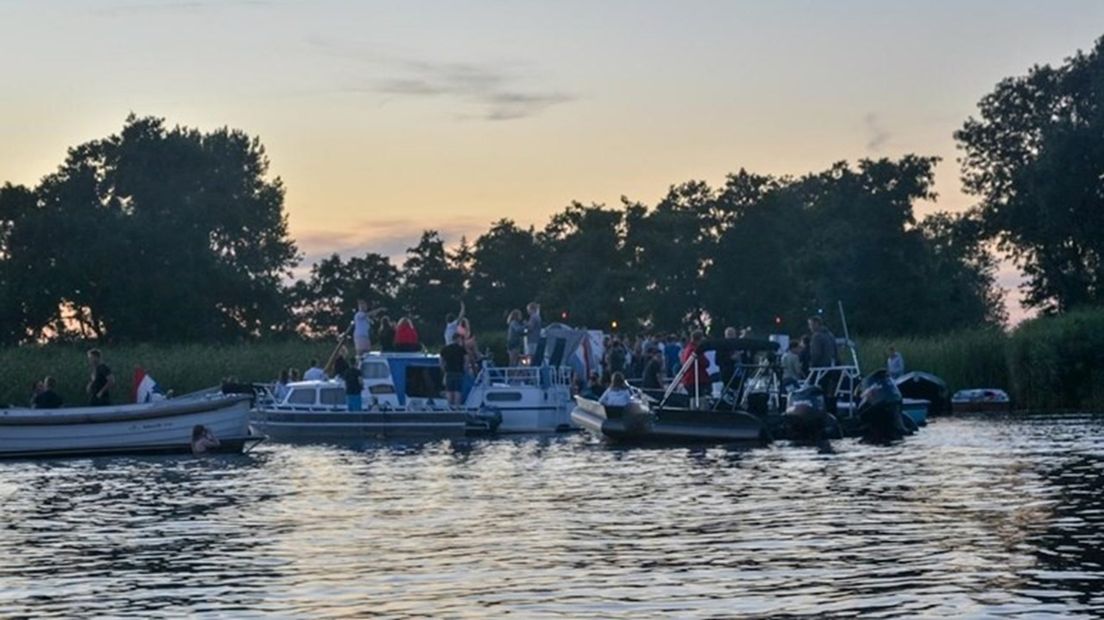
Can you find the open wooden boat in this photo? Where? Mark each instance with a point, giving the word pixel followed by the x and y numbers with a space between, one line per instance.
pixel 163 426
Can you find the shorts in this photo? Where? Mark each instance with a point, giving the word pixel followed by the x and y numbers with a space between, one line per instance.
pixel 454 381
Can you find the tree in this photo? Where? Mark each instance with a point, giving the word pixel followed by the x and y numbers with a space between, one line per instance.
pixel 586 277
pixel 169 235
pixel 324 303
pixel 669 249
pixel 1035 158
pixel 508 270
pixel 432 285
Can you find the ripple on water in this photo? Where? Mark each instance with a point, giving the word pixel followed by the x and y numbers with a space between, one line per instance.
pixel 970 517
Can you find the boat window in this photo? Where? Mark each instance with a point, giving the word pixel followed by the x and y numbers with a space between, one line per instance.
pixel 333 396
pixel 503 397
pixel 376 371
pixel 301 397
pixel 424 381
pixel 381 388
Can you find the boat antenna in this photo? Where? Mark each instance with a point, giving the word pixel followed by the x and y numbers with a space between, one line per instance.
pixel 847 336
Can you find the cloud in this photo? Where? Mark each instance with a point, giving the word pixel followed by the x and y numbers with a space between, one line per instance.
pixel 878 136
pixel 499 92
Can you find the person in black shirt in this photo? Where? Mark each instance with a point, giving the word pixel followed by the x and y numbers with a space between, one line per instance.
pixel 453 356
pixel 47 398
pixel 653 372
pixel 386 334
pixel 353 388
pixel 340 365
pixel 101 382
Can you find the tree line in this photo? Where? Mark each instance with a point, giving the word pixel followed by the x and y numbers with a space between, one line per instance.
pixel 170 234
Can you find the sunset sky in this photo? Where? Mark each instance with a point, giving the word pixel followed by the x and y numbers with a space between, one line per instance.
pixel 387 118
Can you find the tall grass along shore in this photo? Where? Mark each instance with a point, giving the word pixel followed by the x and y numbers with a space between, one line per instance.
pixel 1048 363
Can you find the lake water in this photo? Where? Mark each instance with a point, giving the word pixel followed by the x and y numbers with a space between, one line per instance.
pixel 971 517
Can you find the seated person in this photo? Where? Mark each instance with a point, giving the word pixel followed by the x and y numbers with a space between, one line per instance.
pixel 48 398
pixel 617 395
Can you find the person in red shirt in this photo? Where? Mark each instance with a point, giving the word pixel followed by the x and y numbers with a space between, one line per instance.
pixel 698 378
pixel 406 337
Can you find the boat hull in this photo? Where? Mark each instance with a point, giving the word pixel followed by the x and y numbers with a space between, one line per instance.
pixel 337 426
pixel 984 400
pixel 161 427
pixel 916 409
pixel 633 424
pixel 981 407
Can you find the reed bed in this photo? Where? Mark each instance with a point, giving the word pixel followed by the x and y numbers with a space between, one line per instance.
pixel 1049 363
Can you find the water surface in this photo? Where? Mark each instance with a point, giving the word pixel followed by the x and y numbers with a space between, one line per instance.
pixel 972 517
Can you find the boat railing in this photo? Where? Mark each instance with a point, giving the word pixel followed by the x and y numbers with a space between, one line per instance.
pixel 842 380
pixel 525 376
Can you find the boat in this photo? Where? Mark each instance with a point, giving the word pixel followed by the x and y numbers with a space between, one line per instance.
pixel 678 417
pixel 981 400
pixel 916 409
pixel 639 423
pixel 532 398
pixel 316 411
pixel 161 426
pixel 536 397
pixel 879 411
pixel 806 418
pixel 919 385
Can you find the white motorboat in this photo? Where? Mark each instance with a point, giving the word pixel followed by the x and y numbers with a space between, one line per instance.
pixel 403 394
pixel 316 411
pixel 981 400
pixel 158 426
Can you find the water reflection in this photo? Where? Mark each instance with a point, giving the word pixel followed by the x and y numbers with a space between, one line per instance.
pixel 970 517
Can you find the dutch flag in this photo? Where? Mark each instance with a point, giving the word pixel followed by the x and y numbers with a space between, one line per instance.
pixel 146 389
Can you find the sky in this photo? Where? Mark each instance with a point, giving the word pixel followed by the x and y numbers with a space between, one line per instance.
pixel 387 118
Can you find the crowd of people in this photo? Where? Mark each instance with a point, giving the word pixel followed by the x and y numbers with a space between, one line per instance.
pixel 652 361
pixel 649 361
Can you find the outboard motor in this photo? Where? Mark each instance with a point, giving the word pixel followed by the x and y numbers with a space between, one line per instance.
pixel 880 409
pixel 806 415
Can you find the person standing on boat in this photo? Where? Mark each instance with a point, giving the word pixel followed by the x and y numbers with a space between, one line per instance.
pixel 728 357
pixel 386 334
pixel 822 344
pixel 895 364
pixel 406 337
pixel 822 354
pixel 48 398
pixel 672 352
pixel 314 373
pixel 362 327
pixel 453 356
pixel 533 331
pixel 340 363
pixel 281 387
pixel 515 335
pixel 617 394
pixel 792 374
pixel 652 381
pixel 353 387
pixel 696 381
pixel 452 323
pixel 615 356
pixel 101 381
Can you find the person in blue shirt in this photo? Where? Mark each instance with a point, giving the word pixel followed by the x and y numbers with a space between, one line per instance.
pixel 672 354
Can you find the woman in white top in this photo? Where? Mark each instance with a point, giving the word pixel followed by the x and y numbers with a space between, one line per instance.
pixel 617 394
